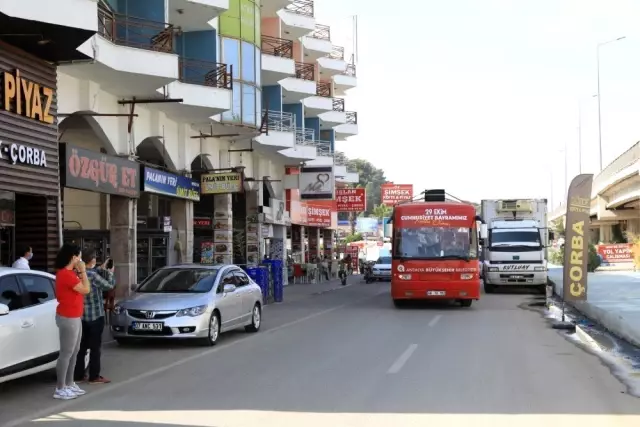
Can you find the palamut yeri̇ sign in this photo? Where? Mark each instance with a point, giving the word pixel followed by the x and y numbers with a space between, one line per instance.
pixel 615 253
pixel 168 184
pixel 221 183
pixel 576 247
pixel 26 98
pixel 395 193
pixel 94 171
pixel 19 154
pixel 351 199
pixel 318 215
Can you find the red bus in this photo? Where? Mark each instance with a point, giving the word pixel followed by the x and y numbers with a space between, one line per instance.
pixel 435 252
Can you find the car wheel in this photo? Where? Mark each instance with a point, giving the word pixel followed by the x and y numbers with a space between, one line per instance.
pixel 213 332
pixel 466 302
pixel 256 319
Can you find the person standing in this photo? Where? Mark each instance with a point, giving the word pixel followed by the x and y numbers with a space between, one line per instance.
pixel 72 284
pixel 93 319
pixel 26 253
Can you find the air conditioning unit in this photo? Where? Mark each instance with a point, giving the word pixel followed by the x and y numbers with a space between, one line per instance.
pixel 515 206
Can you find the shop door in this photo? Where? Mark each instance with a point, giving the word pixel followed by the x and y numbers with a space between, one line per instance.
pixel 7 246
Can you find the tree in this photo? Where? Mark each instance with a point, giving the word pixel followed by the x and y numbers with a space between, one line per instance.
pixel 381 211
pixel 353 238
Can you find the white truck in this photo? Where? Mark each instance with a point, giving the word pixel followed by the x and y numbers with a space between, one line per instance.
pixel 515 251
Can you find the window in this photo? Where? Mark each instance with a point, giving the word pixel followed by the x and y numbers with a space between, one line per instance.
pixel 248 105
pixel 38 289
pixel 258 107
pixel 10 294
pixel 242 279
pixel 179 280
pixel 258 66
pixel 233 115
pixel 435 243
pixel 231 55
pixel 228 279
pixel 248 65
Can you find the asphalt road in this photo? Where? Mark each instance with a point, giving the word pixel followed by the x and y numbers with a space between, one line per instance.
pixel 349 358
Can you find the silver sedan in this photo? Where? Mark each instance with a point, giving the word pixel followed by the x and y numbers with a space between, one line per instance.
pixel 189 301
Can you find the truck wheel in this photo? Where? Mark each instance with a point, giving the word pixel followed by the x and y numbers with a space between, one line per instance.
pixel 542 289
pixel 398 303
pixel 466 302
pixel 489 288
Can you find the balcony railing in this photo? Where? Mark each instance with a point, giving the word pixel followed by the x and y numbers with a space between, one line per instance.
pixel 323 148
pixel 135 32
pixel 305 136
pixel 323 89
pixel 305 71
pixel 351 70
pixel 352 117
pixel 275 46
pixel 338 104
pixel 301 7
pixel 337 52
pixel 205 73
pixel 340 159
pixel 322 32
pixel 280 121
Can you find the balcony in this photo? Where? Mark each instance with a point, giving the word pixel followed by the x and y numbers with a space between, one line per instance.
pixel 345 81
pixel 281 135
pixel 194 15
pixel 132 56
pixel 321 102
pixel 297 19
pixel 277 60
pixel 205 87
pixel 323 89
pixel 303 151
pixel 350 128
pixel 270 8
pixel 324 154
pixel 317 44
pixel 333 63
pixel 338 104
pixel 302 85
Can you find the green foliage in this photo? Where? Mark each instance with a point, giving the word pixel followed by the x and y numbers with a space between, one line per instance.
pixel 381 211
pixel 557 227
pixel 594 259
pixel 353 238
pixel 556 256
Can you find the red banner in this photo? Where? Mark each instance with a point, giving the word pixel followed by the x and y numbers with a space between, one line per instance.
pixel 434 215
pixel 318 214
pixel 616 252
pixel 395 193
pixel 351 199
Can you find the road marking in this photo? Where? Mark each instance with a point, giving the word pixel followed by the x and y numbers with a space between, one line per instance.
pixel 435 320
pixel 60 407
pixel 400 361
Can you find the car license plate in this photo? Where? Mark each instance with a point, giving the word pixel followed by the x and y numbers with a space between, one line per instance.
pixel 148 326
pixel 436 293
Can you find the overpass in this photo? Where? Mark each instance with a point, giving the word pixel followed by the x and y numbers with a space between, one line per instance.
pixel 615 198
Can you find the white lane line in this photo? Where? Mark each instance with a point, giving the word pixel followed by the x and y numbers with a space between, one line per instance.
pixel 60 407
pixel 435 320
pixel 400 361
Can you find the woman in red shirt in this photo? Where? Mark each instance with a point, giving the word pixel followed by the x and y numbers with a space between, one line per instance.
pixel 72 284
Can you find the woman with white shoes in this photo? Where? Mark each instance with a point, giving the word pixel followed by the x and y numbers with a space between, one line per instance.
pixel 72 284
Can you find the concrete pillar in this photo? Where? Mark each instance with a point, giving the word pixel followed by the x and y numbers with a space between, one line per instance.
pixel 329 247
pixel 182 233
pixel 122 215
pixel 223 235
pixel 314 242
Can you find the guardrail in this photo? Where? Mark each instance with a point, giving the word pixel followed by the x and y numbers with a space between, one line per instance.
pixel 340 159
pixel 305 136
pixel 322 32
pixel 351 70
pixel 301 7
pixel 623 161
pixel 205 73
pixel 338 104
pixel 276 46
pixel 135 32
pixel 352 117
pixel 305 71
pixel 323 148
pixel 280 121
pixel 323 89
pixel 337 52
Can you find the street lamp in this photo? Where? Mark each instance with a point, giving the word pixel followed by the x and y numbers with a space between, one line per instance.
pixel 598 95
pixel 580 135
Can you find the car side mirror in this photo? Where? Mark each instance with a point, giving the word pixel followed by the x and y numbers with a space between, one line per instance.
pixel 483 231
pixel 481 242
pixel 228 288
pixel 4 310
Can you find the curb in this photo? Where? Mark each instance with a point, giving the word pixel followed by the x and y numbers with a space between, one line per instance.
pixel 587 340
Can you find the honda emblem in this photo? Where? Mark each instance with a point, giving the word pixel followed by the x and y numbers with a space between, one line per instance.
pixel 149 314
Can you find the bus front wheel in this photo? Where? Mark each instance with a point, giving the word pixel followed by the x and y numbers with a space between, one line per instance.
pixel 466 302
pixel 398 303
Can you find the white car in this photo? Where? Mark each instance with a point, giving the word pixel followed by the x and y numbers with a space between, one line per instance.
pixel 381 270
pixel 29 340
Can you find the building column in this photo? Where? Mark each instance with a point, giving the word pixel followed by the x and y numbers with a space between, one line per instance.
pixel 122 215
pixel 182 232
pixel 314 242
pixel 329 246
pixel 223 234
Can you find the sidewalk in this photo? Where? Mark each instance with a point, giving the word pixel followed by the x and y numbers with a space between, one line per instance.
pixel 300 291
pixel 613 301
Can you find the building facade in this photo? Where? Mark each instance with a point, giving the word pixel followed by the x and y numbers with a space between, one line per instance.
pixel 174 127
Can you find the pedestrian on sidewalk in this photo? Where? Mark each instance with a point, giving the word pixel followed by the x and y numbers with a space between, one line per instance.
pixel 93 319
pixel 26 253
pixel 72 284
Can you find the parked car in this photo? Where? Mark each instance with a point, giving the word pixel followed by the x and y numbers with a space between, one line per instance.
pixel 189 302
pixel 28 333
pixel 381 270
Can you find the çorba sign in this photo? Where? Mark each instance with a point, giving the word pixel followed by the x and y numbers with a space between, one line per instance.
pixel 19 154
pixel 26 98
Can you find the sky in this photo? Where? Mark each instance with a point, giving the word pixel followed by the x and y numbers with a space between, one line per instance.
pixel 484 98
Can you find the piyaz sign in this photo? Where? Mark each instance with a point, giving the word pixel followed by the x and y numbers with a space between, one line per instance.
pixel 18 154
pixel 26 98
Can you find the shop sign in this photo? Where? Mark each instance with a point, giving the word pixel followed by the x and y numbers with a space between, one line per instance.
pixel 351 199
pixel 395 193
pixel 93 171
pixel 202 222
pixel 221 183
pixel 168 184
pixel 26 98
pixel 318 215
pixel 18 154
pixel 615 253
pixel 316 183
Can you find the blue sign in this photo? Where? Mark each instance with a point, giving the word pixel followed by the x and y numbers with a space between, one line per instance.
pixel 367 225
pixel 167 184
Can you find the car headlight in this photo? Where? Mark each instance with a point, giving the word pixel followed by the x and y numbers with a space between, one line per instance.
pixel 540 269
pixel 118 309
pixel 493 269
pixel 193 311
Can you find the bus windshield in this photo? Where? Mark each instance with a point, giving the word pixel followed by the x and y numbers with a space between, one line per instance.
pixel 435 243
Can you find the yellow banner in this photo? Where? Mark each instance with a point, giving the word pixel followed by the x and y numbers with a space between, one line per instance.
pixel 221 183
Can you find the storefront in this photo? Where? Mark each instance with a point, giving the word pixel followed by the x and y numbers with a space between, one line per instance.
pixel 165 220
pixel 87 177
pixel 29 182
